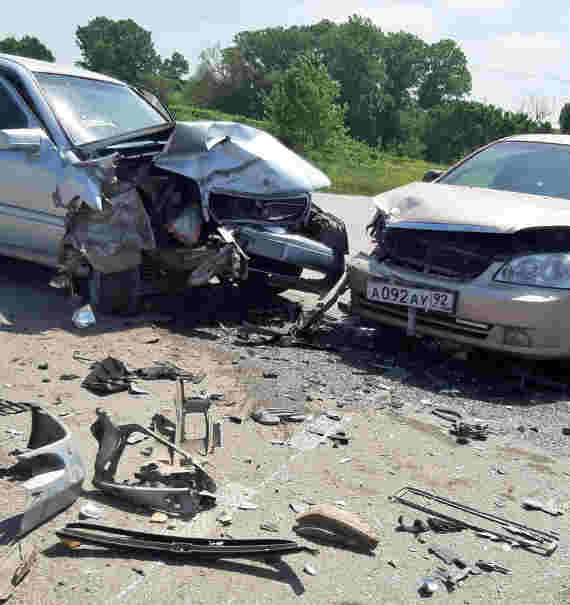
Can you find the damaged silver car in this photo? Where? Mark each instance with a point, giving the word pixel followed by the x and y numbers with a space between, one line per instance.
pixel 100 182
pixel 480 255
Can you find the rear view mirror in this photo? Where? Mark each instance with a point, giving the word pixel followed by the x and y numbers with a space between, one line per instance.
pixel 431 175
pixel 21 139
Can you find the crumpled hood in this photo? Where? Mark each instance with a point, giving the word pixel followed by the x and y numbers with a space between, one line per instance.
pixel 472 207
pixel 235 158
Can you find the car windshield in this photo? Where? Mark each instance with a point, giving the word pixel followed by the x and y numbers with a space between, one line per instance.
pixel 91 110
pixel 523 167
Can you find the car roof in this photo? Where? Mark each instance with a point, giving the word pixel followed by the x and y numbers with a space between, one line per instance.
pixel 559 139
pixel 57 68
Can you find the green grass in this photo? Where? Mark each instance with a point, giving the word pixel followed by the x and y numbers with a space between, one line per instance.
pixel 353 167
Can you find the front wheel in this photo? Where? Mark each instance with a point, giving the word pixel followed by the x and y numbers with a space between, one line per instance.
pixel 114 292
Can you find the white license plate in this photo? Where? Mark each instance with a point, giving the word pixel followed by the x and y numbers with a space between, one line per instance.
pixel 419 298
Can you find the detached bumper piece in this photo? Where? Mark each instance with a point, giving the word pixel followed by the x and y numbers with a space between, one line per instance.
pixel 51 466
pixel 76 534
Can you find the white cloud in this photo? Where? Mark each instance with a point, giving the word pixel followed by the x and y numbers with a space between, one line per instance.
pixel 518 55
pixel 475 5
pixel 391 15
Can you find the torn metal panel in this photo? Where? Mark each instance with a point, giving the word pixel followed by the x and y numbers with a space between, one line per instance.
pixel 112 239
pixel 55 470
pixel 84 181
pixel 183 501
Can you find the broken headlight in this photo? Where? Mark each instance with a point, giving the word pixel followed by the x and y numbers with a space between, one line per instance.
pixel 542 270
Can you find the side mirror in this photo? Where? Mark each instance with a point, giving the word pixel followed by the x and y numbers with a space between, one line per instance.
pixel 431 175
pixel 21 139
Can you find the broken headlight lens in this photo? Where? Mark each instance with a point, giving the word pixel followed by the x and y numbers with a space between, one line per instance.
pixel 542 270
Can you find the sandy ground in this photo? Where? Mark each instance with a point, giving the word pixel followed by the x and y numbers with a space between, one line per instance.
pixel 390 448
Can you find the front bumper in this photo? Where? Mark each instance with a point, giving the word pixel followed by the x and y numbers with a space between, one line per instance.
pixel 489 315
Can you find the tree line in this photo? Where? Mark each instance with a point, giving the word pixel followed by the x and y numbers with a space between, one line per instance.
pixel 315 84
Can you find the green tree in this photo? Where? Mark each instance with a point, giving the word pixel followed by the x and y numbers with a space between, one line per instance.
pixel 565 118
pixel 174 68
pixel 301 105
pixel 353 55
pixel 28 46
pixel 121 49
pixel 446 76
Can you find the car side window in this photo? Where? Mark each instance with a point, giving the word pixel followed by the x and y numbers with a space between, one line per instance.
pixel 11 115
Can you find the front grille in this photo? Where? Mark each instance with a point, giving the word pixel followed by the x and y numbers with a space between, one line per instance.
pixel 226 207
pixel 431 319
pixel 450 254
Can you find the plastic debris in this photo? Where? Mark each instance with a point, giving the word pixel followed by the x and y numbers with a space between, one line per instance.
pixel 344 460
pixel 532 504
pixel 136 437
pixel 269 526
pixel 225 518
pixel 310 569
pixel 91 511
pixel 159 517
pixel 429 586
pixel 84 317
pixel 297 507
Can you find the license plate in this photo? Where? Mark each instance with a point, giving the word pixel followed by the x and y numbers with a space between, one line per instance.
pixel 419 298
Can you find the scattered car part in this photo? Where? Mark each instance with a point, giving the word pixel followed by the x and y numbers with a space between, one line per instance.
pixel 441 526
pixel 199 548
pixel 341 522
pixel 451 578
pixel 429 586
pixel 184 501
pixel 15 566
pixel 493 566
pixel 112 376
pixel 544 543
pixel 532 504
pixel 191 405
pixel 53 469
pixel 447 555
pixel 277 415
pixel 416 527
pixel 462 430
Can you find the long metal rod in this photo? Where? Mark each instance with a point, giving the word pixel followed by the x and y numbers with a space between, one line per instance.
pixel 545 541
pixel 474 511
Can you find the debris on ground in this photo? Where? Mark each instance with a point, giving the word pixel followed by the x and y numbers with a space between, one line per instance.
pixel 414 527
pixel 91 511
pixel 225 518
pixel 277 415
pixel 158 487
pixel 532 504
pixel 15 566
pixel 269 526
pixel 112 376
pixel 521 536
pixel 158 517
pixel 340 522
pixel 308 568
pixel 199 548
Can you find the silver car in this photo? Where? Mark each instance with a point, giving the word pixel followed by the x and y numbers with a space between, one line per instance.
pixel 98 181
pixel 480 255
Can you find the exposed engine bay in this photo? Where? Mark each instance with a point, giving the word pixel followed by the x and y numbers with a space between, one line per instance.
pixel 200 200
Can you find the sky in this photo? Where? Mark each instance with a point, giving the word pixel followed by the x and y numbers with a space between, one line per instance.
pixel 517 50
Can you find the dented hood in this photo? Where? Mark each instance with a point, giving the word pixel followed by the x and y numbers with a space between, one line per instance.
pixel 236 158
pixel 471 208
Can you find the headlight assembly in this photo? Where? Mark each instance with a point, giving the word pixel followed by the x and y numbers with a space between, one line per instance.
pixel 542 270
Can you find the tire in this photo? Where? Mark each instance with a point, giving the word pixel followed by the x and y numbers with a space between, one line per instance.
pixel 114 292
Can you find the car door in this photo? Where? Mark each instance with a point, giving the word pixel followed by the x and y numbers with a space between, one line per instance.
pixel 30 225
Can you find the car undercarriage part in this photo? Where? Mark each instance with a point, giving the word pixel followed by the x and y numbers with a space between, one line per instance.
pixel 538 541
pixel 75 534
pixel 185 500
pixel 52 467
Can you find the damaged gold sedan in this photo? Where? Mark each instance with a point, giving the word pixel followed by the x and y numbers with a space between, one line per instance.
pixel 99 181
pixel 480 255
